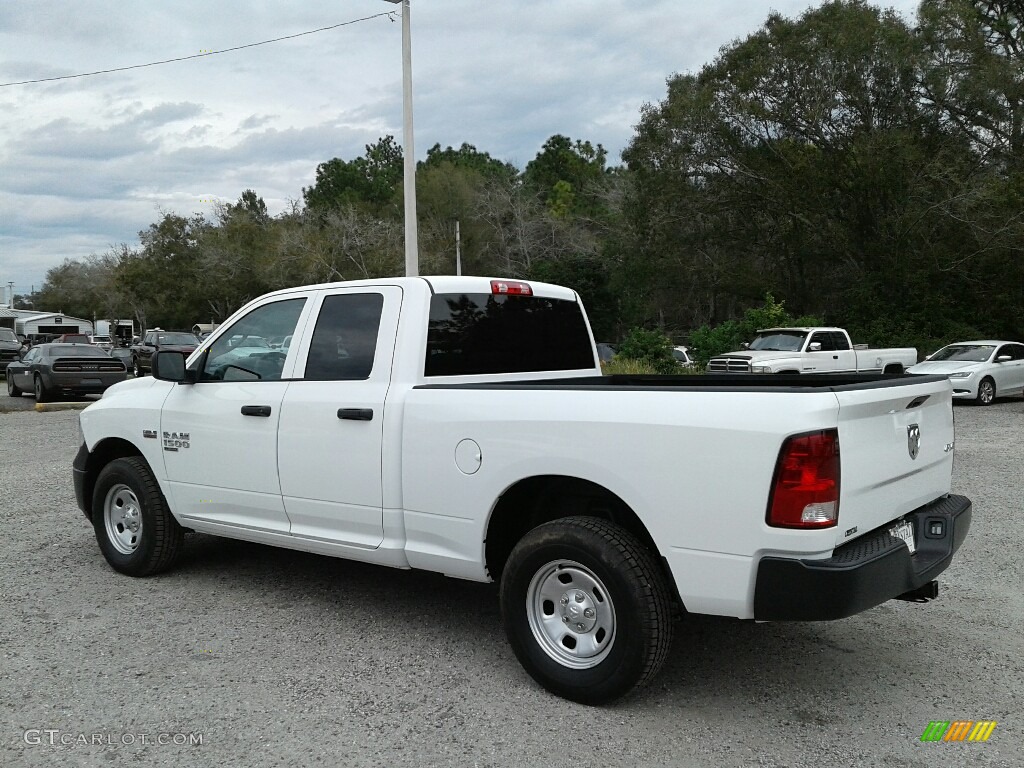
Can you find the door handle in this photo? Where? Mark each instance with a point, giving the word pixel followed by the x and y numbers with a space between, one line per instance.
pixel 356 414
pixel 835 357
pixel 255 410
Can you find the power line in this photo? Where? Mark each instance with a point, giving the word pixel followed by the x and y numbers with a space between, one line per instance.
pixel 388 14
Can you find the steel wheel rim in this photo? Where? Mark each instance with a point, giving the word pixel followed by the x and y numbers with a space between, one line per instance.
pixel 988 392
pixel 571 614
pixel 122 518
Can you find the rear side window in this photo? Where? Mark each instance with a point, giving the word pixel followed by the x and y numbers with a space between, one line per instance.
pixel 345 337
pixel 486 333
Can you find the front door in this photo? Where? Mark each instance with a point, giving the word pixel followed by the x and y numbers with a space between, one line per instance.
pixel 332 419
pixel 219 435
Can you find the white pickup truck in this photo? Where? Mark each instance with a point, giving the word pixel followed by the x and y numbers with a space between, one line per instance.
pixel 811 350
pixel 461 425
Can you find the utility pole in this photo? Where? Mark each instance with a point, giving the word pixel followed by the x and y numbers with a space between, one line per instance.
pixel 458 250
pixel 412 258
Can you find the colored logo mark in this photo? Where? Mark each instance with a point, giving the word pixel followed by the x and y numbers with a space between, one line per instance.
pixel 958 730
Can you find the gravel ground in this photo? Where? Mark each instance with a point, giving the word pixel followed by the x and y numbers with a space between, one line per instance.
pixel 278 658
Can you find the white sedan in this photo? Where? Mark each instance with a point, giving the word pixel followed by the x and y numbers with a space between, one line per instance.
pixel 979 370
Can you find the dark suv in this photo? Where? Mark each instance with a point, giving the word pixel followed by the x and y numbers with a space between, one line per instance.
pixel 176 341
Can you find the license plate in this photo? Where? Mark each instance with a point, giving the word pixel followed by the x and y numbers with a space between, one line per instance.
pixel 904 530
pixel 91 382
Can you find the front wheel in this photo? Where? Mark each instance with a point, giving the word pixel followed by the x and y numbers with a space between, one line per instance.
pixel 12 389
pixel 986 392
pixel 586 609
pixel 135 529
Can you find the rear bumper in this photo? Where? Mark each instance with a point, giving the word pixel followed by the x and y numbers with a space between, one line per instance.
pixel 864 573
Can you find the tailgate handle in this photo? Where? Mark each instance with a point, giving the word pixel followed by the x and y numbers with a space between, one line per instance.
pixel 356 414
pixel 917 402
pixel 256 410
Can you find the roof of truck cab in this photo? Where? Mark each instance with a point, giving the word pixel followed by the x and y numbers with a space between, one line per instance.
pixel 801 328
pixel 442 284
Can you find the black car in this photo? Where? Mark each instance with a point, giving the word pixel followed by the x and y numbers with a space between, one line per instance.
pixel 10 346
pixel 175 341
pixel 73 369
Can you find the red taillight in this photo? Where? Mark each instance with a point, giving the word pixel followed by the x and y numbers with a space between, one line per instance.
pixel 805 492
pixel 511 288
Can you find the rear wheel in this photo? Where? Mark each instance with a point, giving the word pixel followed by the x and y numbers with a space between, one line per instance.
pixel 136 369
pixel 12 389
pixel 986 392
pixel 586 609
pixel 40 391
pixel 134 527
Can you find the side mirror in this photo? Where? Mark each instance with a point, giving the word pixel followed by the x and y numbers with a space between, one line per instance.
pixel 1003 359
pixel 170 366
pixel 745 345
pixel 815 346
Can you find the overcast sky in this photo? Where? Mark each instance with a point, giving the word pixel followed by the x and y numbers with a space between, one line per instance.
pixel 86 163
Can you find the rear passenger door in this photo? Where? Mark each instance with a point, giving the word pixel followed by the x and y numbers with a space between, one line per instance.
pixel 331 434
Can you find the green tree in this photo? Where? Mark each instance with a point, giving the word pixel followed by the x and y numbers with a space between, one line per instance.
pixel 567 176
pixel 651 348
pixel 373 181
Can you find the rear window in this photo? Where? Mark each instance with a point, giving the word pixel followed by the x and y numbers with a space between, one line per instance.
pixel 62 350
pixel 486 333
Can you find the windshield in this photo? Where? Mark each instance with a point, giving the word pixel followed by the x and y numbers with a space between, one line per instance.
pixel 779 341
pixel 185 339
pixel 965 353
pixel 6 334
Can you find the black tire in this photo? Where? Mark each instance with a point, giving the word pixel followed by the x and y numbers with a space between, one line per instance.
pixel 136 368
pixel 986 392
pixel 134 527
pixel 893 370
pixel 41 394
pixel 617 577
pixel 12 389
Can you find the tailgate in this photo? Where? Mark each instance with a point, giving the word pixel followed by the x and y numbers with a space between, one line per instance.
pixel 896 451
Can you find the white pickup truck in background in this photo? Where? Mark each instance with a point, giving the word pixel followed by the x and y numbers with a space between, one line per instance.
pixel 811 350
pixel 461 425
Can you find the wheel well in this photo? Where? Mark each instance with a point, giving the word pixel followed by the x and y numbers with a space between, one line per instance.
pixel 537 500
pixel 105 452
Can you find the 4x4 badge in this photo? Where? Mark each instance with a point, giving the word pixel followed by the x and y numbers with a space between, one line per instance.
pixel 914 440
